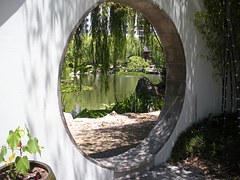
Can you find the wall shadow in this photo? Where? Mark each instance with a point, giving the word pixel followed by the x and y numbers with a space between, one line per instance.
pixel 8 8
pixel 142 156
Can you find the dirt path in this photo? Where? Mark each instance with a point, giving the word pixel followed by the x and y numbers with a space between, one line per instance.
pixel 112 134
pixel 115 134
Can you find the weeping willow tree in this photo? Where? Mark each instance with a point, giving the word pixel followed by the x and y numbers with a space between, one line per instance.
pixel 149 38
pixel 118 30
pixel 114 31
pixel 75 56
pixel 100 38
pixel 104 42
pixel 221 28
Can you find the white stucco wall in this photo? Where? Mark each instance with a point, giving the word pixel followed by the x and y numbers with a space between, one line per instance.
pixel 203 92
pixel 32 40
pixel 33 35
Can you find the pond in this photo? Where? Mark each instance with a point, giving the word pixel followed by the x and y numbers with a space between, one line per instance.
pixel 120 87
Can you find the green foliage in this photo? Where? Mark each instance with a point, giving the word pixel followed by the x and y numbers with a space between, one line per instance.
pixel 135 104
pixel 212 23
pixel 100 38
pixel 85 113
pixel 13 138
pixel 118 30
pixel 130 104
pixel 155 103
pixel 195 145
pixel 3 153
pixel 77 55
pixel 219 24
pixel 134 46
pixel 137 63
pixel 33 146
pixel 216 139
pixel 67 88
pixel 157 55
pixel 20 163
pixel 130 73
pixel 111 36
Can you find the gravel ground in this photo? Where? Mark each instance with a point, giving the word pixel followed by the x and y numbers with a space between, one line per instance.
pixel 112 134
pixel 189 169
pixel 167 171
pixel 115 134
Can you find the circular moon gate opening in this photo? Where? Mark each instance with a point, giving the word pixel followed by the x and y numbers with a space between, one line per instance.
pixel 143 155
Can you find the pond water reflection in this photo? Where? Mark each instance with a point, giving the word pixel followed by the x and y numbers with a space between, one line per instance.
pixel 120 87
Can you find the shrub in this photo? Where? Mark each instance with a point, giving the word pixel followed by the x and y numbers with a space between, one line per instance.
pixel 137 104
pixel 216 139
pixel 137 63
pixel 85 113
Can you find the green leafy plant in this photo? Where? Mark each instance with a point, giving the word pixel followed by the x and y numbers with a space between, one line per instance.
pixel 215 139
pixel 137 63
pixel 85 113
pixel 13 154
pixel 137 104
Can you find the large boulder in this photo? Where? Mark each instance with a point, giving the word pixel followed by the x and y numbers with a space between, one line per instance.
pixel 146 88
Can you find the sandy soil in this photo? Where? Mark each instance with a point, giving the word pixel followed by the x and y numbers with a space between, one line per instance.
pixel 115 134
pixel 112 134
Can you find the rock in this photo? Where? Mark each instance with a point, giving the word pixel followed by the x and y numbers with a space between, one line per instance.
pixel 160 88
pixel 113 113
pixel 145 88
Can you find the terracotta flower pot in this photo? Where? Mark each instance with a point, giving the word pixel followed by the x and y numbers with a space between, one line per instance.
pixel 48 173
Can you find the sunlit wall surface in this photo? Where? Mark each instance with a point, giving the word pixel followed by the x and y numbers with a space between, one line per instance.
pixel 33 37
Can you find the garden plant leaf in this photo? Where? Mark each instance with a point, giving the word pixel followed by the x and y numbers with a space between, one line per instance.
pixel 33 146
pixel 22 165
pixel 11 158
pixel 13 139
pixel 3 152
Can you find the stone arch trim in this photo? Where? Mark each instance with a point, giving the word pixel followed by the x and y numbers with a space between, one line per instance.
pixel 143 155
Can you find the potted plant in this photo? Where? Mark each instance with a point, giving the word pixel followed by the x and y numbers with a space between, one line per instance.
pixel 17 165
